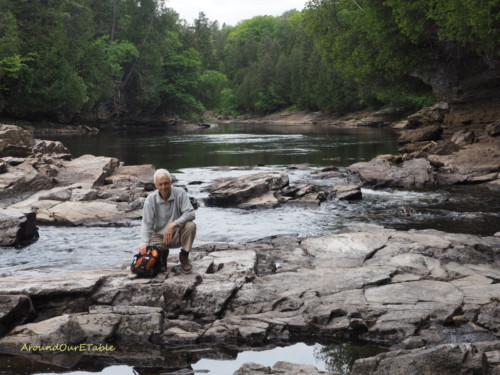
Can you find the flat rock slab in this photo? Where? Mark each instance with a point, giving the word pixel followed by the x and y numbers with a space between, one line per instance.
pixel 75 213
pixel 406 289
pixel 68 283
pixel 87 168
pixel 343 250
pixel 415 292
pixel 472 161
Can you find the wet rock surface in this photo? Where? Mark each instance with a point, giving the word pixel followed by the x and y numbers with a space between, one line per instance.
pixel 426 293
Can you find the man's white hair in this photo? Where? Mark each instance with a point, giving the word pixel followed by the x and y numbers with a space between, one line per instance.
pixel 160 173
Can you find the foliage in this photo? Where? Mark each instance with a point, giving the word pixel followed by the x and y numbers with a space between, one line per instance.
pixel 63 58
pixel 210 88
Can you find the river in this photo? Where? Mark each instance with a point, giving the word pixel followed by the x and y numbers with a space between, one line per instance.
pixel 201 156
pixel 198 157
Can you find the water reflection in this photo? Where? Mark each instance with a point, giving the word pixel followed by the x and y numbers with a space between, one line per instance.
pixel 333 357
pixel 340 358
pixel 237 145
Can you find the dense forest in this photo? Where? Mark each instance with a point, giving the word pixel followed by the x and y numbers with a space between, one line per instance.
pixel 113 59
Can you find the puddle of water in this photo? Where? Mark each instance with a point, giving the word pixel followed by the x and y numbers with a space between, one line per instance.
pixel 332 357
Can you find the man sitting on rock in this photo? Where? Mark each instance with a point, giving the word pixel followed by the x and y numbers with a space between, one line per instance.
pixel 167 221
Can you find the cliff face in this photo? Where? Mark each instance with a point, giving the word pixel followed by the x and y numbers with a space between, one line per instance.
pixel 469 83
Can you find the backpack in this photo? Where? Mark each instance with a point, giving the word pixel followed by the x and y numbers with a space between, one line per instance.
pixel 146 265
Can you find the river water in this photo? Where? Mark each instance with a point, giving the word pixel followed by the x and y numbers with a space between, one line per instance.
pixel 197 158
pixel 201 156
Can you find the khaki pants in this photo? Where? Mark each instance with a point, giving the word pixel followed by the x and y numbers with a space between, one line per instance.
pixel 183 237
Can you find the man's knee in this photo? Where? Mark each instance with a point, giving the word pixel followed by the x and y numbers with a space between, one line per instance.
pixel 190 227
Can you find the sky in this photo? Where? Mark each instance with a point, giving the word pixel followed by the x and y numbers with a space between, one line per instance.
pixel 232 11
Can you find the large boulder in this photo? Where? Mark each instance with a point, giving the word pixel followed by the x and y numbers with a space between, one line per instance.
pixel 17 227
pixel 230 192
pixel 21 180
pixel 87 168
pixel 413 173
pixel 15 141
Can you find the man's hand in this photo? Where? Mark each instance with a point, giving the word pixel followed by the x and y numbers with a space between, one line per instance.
pixel 142 249
pixel 169 232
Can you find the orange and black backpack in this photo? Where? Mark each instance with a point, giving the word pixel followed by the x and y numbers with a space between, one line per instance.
pixel 146 265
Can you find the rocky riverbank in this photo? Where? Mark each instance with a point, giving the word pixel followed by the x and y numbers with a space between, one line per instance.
pixel 440 145
pixel 430 296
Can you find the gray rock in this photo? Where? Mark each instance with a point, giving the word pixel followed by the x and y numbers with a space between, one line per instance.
pixel 15 141
pixel 472 161
pixel 343 250
pixel 347 191
pixel 493 129
pixel 132 175
pixel 449 359
pixel 266 200
pixel 428 115
pixel 20 181
pixel 53 148
pixel 14 310
pixel 17 227
pixel 99 327
pixel 60 330
pixel 429 133
pixel 462 138
pixel 87 169
pixel 412 289
pixel 281 368
pixel 235 191
pixel 410 174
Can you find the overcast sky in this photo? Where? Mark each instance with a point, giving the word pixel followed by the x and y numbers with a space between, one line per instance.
pixel 232 11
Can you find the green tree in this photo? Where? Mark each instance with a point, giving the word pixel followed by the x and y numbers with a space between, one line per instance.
pixel 210 88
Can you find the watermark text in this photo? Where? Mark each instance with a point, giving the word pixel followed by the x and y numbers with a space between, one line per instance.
pixel 68 348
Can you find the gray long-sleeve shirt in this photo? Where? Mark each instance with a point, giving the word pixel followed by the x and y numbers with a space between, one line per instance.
pixel 157 213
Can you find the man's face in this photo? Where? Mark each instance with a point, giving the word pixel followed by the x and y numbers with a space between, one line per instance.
pixel 164 186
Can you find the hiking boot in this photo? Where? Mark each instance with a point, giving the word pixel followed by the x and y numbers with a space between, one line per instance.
pixel 185 263
pixel 163 260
